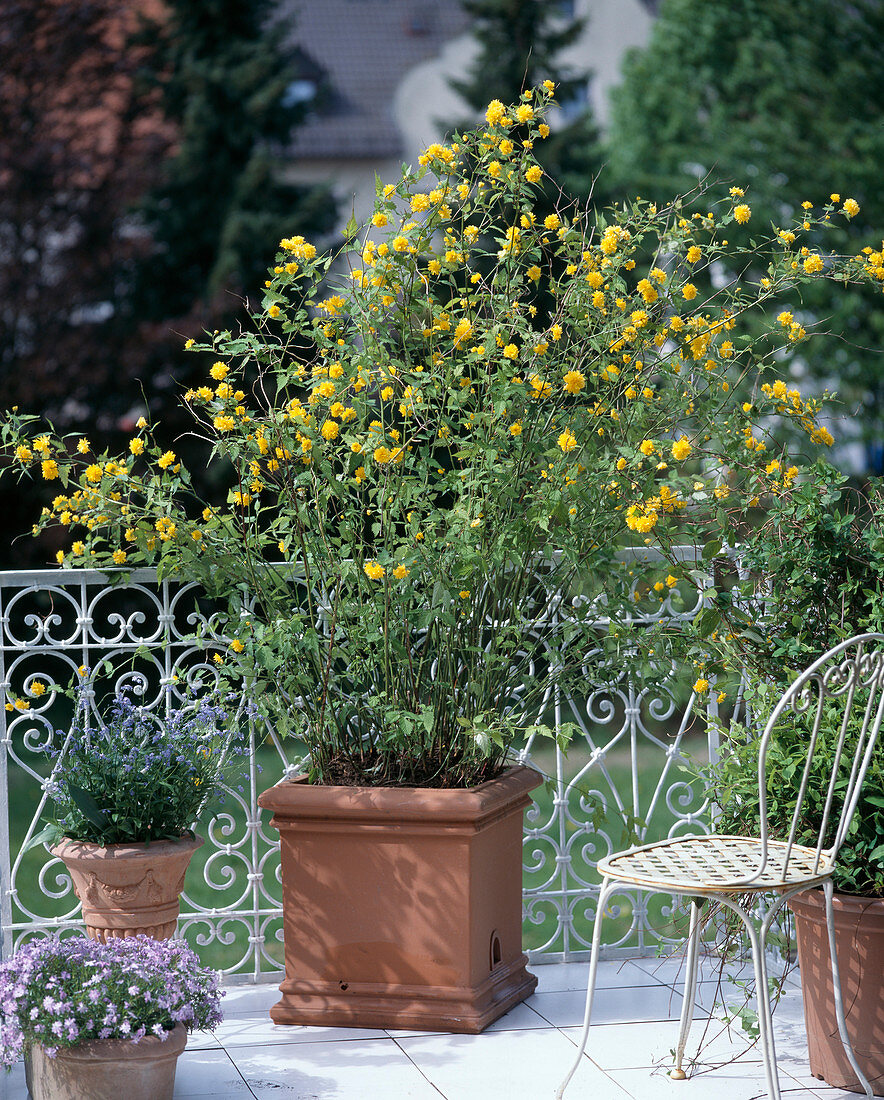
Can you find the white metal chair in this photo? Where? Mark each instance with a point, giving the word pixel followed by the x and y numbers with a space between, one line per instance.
pixel 728 868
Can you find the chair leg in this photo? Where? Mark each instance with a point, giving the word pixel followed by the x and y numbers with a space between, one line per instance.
pixel 690 989
pixel 828 890
pixel 604 893
pixel 757 938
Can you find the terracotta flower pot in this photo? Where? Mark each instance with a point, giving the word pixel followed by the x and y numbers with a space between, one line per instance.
pixel 127 889
pixel 402 906
pixel 859 936
pixel 107 1069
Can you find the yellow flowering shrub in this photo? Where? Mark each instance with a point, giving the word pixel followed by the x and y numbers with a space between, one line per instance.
pixel 456 425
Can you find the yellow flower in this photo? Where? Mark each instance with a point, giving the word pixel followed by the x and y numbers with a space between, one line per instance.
pixel 511 352
pixel 273 311
pixel 136 446
pixel 118 556
pixel 379 219
pixel 552 221
pixel 701 685
pixel 49 469
pixel 400 572
pixel 681 448
pixel 516 428
pixel 93 473
pixel 850 207
pixel 524 112
pixel 23 453
pixel 573 381
pixel 647 448
pixel 671 581
pixel 373 570
pixel 813 264
pixel 567 441
pixel 382 455
pixel 78 548
pixel 400 244
pixel 556 332
pixel 543 130
pixel 237 646
pixel 360 475
pixel 83 446
pixel 166 460
pixel 224 423
pixel 219 371
pixel 533 273
pixel 693 254
pixel 38 688
pixel 742 213
pixel 534 174
pixel 689 291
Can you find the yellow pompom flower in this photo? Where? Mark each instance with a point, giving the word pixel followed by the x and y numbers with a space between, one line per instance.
pixel 567 441
pixel 496 113
pixel 701 685
pixel 689 291
pixel 49 469
pixel 400 572
pixel 573 381
pixel 742 213
pixel 373 570
pixel 166 460
pixel 850 208
pixel 534 174
pixel 219 371
pixel 681 448
pixel 136 446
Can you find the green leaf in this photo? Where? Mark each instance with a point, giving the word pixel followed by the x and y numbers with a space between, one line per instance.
pixel 87 805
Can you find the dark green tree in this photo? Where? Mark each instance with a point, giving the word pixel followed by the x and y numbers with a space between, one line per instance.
pixel 520 42
pixel 222 208
pixel 784 98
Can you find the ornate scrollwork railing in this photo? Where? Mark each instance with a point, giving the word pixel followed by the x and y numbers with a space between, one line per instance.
pixel 159 638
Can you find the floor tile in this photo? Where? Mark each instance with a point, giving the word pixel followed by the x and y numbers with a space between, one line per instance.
pixel 248 1030
pixel 202 1072
pixel 357 1070
pixel 525 1065
pixel 630 1046
pixel 632 1003
pixel 560 977
pixel 12 1084
pixel 732 1082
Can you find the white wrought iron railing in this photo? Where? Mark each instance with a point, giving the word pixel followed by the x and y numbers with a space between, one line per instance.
pixel 622 772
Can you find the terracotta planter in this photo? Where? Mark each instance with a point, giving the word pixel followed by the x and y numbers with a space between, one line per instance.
pixel 107 1069
pixel 402 906
pixel 127 889
pixel 859 932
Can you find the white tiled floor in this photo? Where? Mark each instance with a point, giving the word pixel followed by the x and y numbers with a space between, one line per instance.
pixel 522 1056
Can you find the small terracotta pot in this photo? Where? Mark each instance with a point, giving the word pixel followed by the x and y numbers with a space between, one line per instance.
pixel 859 938
pixel 129 889
pixel 402 907
pixel 107 1069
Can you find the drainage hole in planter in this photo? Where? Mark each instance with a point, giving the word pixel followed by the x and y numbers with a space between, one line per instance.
pixel 344 985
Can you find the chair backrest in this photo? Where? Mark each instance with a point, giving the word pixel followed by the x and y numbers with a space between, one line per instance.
pixel 838 704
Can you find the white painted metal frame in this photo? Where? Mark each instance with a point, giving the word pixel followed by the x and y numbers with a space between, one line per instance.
pixel 159 636
pixel 726 869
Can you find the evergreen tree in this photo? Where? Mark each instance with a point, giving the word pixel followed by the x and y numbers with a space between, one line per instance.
pixel 220 212
pixel 786 101
pixel 519 46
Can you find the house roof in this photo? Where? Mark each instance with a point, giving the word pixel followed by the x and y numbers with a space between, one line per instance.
pixel 359 50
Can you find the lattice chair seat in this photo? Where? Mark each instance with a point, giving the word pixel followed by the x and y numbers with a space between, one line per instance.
pixel 717 864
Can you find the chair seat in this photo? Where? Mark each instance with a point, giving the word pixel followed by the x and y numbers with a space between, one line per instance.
pixel 716 864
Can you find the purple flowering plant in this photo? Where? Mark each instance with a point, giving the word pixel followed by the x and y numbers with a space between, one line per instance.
pixel 61 993
pixel 139 775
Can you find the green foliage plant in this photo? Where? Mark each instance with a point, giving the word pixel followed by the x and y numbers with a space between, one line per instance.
pixel 446 446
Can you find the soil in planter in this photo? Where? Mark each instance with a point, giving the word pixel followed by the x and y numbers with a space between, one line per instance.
pixel 374 769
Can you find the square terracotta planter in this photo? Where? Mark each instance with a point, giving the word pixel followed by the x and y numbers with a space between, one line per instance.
pixel 402 907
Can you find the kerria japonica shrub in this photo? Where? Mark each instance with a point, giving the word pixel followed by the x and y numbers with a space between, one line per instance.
pixel 61 993
pixel 445 433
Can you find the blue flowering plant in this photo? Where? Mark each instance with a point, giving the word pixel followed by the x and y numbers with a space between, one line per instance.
pixel 61 993
pixel 139 775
